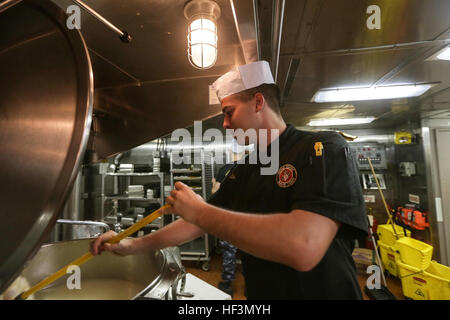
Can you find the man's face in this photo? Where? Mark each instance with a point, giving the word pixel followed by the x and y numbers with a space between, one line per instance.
pixel 239 115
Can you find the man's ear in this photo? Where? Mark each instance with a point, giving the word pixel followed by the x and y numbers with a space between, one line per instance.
pixel 259 99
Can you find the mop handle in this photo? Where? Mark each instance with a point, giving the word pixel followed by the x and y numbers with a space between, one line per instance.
pixel 382 197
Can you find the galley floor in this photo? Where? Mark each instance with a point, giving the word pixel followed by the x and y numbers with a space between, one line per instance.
pixel 213 277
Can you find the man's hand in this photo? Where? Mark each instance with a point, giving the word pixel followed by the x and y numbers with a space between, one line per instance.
pixel 185 202
pixel 100 244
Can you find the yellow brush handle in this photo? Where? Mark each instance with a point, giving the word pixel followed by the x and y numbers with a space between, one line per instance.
pixel 86 257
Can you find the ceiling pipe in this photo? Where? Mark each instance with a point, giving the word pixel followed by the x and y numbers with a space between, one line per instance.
pixel 292 71
pixel 246 28
pixel 277 29
pixel 124 35
pixel 379 138
pixel 368 50
pixel 257 35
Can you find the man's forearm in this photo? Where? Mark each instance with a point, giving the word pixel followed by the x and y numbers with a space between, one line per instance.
pixel 176 233
pixel 298 239
pixel 257 234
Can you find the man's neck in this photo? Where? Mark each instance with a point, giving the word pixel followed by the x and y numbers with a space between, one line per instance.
pixel 274 127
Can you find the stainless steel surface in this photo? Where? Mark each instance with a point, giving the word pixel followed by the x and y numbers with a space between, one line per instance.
pixel 323 31
pixel 74 206
pixel 263 12
pixel 45 115
pixel 324 44
pixel 73 210
pixel 168 106
pixel 154 272
pixel 84 223
pixel 335 48
pixel 443 213
pixel 148 88
pixel 4 5
pixel 440 235
pixel 67 229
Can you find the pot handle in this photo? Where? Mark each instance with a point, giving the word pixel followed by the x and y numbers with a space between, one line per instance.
pixel 181 293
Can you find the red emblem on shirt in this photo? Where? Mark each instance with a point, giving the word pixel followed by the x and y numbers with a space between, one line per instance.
pixel 286 176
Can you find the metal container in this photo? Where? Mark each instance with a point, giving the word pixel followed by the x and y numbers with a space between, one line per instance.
pixel 152 275
pixel 46 101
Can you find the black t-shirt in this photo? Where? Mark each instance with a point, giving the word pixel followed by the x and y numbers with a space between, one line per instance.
pixel 317 173
pixel 223 172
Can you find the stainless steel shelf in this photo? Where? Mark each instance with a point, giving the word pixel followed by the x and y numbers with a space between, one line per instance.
pixel 193 248
pixel 137 174
pixel 124 197
pixel 186 170
pixel 198 249
pixel 187 178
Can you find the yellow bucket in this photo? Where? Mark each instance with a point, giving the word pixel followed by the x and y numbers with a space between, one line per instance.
pixel 414 252
pixel 386 233
pixel 389 258
pixel 430 284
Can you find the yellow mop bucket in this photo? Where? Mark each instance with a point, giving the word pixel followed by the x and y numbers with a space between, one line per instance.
pixel 414 252
pixel 386 233
pixel 430 284
pixel 389 258
pixel 386 243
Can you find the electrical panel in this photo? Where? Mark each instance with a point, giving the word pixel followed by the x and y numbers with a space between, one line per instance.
pixel 375 151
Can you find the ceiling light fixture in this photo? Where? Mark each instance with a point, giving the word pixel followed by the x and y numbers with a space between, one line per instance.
pixel 371 93
pixel 339 122
pixel 443 54
pixel 202 32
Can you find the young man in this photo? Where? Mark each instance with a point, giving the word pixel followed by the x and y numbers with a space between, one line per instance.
pixel 295 228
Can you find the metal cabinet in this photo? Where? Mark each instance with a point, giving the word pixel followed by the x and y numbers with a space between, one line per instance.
pixel 194 167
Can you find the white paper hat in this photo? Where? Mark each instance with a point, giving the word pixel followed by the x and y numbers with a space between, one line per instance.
pixel 242 78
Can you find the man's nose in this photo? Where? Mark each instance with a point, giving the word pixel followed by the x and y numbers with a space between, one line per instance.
pixel 226 123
